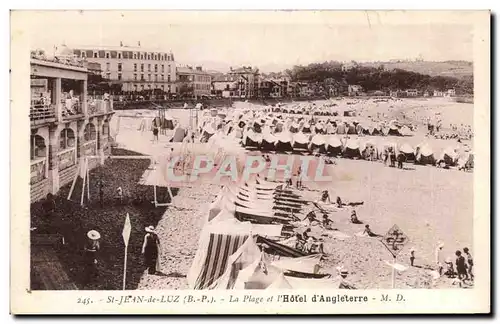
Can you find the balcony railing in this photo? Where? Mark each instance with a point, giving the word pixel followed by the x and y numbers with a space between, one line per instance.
pixel 99 106
pixel 40 112
pixel 71 108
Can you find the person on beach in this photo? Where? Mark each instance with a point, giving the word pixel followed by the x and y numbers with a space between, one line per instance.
pixel 311 217
pixel 299 178
pixel 325 196
pixel 369 232
pixel 49 205
pixel 155 134
pixel 354 218
pixel 90 252
pixel 470 263
pixel 450 270
pixel 340 204
pixel 151 250
pixel 438 256
pixel 461 266
pixel 119 195
pixel 327 222
pixel 412 256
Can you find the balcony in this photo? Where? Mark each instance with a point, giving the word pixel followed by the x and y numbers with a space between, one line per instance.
pixel 99 106
pixel 41 113
pixel 71 108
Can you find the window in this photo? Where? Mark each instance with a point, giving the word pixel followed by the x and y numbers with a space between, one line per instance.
pixel 142 86
pixel 142 56
pixel 119 67
pixel 135 56
pixel 162 77
pixel 119 76
pixel 149 57
pixel 142 67
pixel 119 55
pixel 83 54
pixel 108 75
pixel 107 66
pixel 156 77
pixel 161 57
pixel 95 54
pixel 168 78
pixel 162 87
pixel 156 67
pixel 156 57
pixel 135 76
pixel 107 55
pixel 169 69
pixel 169 88
pixel 135 67
pixel 149 77
pixel 162 68
pixel 149 67
pixel 142 77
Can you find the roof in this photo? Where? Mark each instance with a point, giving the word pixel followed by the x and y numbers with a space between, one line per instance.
pixel 187 70
pixel 225 78
pixel 122 48
pixel 245 70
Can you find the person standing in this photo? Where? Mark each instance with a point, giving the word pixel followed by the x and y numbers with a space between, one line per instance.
pixel 151 250
pixel 155 133
pixel 412 256
pixel 90 252
pixel 438 255
pixel 470 263
pixel 461 266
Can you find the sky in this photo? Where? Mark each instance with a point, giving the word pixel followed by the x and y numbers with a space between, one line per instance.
pixel 271 41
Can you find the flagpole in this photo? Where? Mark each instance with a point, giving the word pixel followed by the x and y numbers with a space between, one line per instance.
pixel 125 268
pixel 393 272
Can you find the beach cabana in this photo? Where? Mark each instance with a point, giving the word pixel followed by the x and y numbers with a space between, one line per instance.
pixel 408 151
pixel 300 141
pixel 284 142
pixel 351 149
pixel 425 154
pixel 333 145
pixel 318 143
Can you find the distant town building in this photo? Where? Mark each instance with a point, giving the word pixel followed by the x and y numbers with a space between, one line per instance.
pixel 438 93
pixel 412 92
pixel 354 90
pixel 451 93
pixel 193 81
pixel 398 93
pixel 349 66
pixel 225 85
pixel 274 87
pixel 135 68
pixel 248 81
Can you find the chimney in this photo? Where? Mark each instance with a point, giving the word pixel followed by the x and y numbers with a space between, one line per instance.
pixel 121 44
pixel 198 68
pixel 230 68
pixel 139 43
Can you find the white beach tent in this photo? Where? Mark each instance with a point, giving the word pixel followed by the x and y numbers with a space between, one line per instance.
pixel 219 239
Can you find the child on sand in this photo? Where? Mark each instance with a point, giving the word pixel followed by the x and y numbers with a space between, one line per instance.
pixel 470 263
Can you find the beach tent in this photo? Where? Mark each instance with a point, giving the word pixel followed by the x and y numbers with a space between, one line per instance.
pixel 179 135
pixel 330 129
pixel 219 239
pixel 359 129
pixel 268 142
pixel 300 141
pixel 351 129
pixel 424 154
pixel 207 132
pixel 333 145
pixel 319 129
pixel 408 151
pixel 305 265
pixel 352 149
pixel 405 131
pixel 374 130
pixel 369 150
pixel 318 143
pixel 252 139
pixel 280 283
pixel 306 128
pixel 259 275
pixel 284 142
pixel 449 157
pixel 239 265
pixel 294 128
pixel 341 128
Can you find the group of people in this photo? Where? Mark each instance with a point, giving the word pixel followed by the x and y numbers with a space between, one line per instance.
pixel 151 250
pixel 461 269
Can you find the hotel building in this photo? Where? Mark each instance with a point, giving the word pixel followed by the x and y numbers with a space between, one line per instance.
pixel 135 68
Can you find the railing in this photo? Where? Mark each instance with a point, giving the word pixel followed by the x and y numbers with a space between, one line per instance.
pixel 66 158
pixel 71 107
pixel 99 106
pixel 38 169
pixel 40 112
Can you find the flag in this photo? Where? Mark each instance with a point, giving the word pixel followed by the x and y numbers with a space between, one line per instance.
pixel 126 230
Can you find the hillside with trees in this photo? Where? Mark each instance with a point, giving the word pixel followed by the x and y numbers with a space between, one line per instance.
pixel 379 78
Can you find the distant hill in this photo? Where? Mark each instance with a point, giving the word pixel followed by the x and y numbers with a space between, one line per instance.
pixel 457 69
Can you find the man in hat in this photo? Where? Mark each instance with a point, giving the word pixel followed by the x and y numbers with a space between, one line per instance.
pixel 461 266
pixel 438 255
pixel 412 256
pixel 354 218
pixel 151 250
pixel 90 256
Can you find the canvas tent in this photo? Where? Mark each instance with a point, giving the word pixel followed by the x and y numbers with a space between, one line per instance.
pixel 424 154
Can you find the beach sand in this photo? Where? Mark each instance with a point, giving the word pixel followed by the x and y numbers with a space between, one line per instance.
pixel 430 205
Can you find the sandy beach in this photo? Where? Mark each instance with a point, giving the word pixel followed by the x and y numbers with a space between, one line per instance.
pixel 429 204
